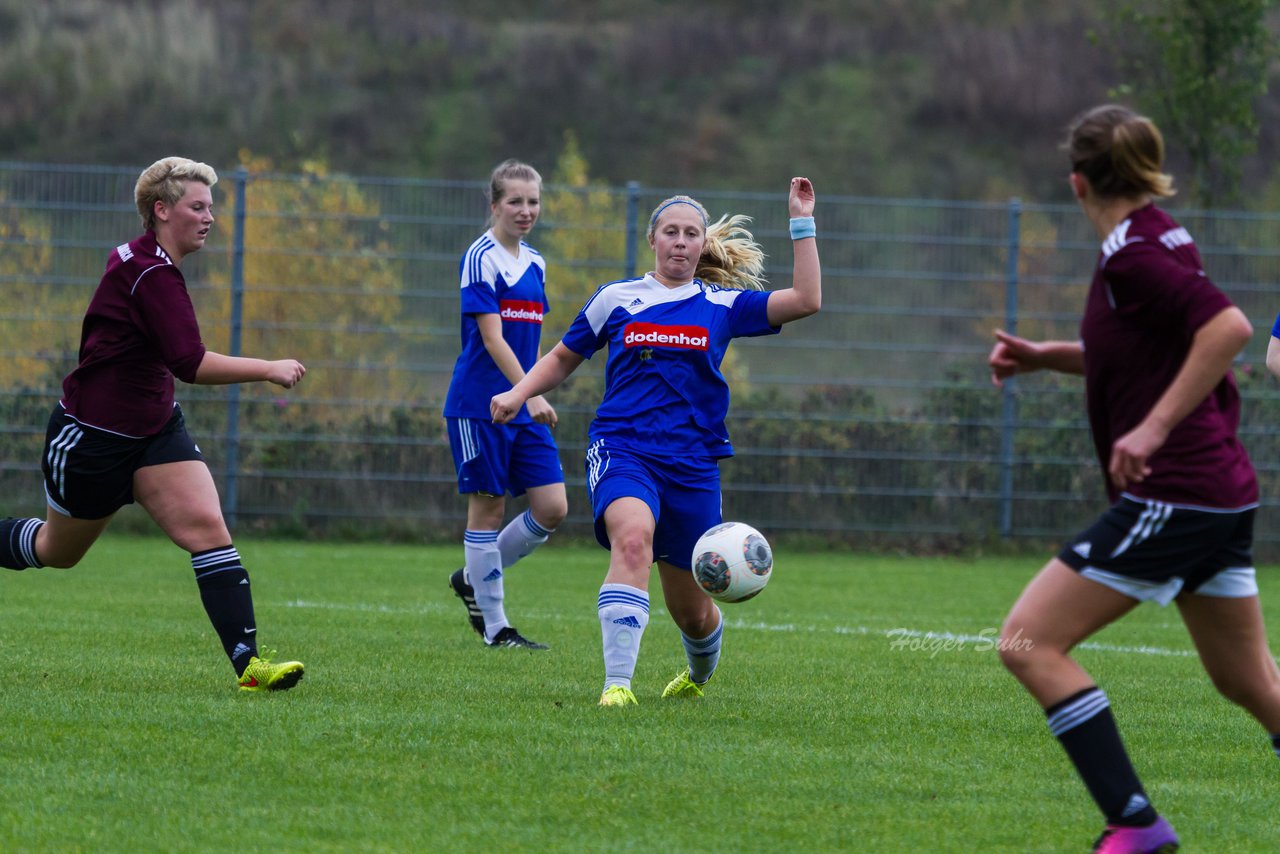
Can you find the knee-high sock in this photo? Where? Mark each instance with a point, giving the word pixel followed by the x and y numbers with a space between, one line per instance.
pixel 484 574
pixel 18 543
pixel 703 653
pixel 228 600
pixel 1087 731
pixel 520 537
pixel 624 612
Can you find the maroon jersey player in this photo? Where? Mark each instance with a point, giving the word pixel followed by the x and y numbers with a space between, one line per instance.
pixel 139 332
pixel 1156 345
pixel 1148 298
pixel 118 436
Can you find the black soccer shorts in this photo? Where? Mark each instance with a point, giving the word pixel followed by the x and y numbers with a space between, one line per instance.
pixel 88 473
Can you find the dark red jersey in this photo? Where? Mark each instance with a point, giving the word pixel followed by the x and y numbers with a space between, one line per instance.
pixel 1148 299
pixel 139 333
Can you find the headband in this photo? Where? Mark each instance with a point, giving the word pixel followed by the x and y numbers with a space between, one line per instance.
pixel 654 219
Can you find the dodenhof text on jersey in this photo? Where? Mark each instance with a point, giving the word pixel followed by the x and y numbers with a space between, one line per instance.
pixel 657 335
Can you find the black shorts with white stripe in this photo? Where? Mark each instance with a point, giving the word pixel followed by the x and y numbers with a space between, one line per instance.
pixel 1155 542
pixel 88 473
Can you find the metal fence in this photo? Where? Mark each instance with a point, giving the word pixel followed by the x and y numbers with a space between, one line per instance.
pixel 873 423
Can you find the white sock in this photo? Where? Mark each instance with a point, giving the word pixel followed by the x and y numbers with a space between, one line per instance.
pixel 704 653
pixel 521 536
pixel 484 574
pixel 624 612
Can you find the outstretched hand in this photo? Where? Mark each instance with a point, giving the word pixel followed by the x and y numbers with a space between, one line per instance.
pixel 1011 355
pixel 801 200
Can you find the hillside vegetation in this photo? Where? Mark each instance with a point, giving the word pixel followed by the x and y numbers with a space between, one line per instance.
pixel 950 98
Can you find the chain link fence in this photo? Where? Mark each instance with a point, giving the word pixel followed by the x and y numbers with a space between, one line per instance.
pixel 872 424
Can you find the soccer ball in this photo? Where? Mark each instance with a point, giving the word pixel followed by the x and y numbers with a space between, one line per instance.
pixel 732 562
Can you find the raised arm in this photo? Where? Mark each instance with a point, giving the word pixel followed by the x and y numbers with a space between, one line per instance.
pixel 804 297
pixel 547 373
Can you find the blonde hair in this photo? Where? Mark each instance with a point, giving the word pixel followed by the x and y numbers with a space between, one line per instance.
pixel 1120 152
pixel 730 258
pixel 166 181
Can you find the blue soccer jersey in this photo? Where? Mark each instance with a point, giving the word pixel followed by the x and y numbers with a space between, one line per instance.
pixel 664 392
pixel 493 281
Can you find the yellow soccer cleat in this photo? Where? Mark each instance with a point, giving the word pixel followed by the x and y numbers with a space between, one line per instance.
pixel 682 687
pixel 264 675
pixel 617 695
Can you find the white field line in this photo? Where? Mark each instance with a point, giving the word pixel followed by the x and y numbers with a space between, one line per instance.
pixel 916 640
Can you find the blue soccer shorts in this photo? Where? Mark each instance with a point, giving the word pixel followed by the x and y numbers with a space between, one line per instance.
pixel 494 459
pixel 683 494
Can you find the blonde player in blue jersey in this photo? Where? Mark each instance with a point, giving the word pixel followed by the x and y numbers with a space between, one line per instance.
pixel 503 287
pixel 659 432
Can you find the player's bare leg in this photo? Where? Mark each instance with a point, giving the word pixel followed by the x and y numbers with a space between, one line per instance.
pixel 1058 609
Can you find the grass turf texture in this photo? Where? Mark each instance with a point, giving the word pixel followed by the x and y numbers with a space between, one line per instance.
pixel 834 722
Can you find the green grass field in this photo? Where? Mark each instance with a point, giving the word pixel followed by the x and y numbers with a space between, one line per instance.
pixel 835 722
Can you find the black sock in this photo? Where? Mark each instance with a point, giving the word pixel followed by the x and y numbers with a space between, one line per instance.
pixel 18 543
pixel 224 590
pixel 1087 731
pixel 1275 742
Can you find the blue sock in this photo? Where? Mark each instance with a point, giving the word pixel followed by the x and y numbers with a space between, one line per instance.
pixel 703 653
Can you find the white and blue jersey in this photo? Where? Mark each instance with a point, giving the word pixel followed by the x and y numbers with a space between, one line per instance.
pixel 664 392
pixel 492 281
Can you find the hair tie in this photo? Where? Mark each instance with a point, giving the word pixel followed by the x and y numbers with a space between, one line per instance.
pixel 654 218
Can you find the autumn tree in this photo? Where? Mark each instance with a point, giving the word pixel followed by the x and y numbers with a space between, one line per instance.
pixel 585 235
pixel 40 321
pixel 1201 66
pixel 321 284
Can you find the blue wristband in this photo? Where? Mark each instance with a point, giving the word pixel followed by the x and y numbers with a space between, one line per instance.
pixel 802 227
